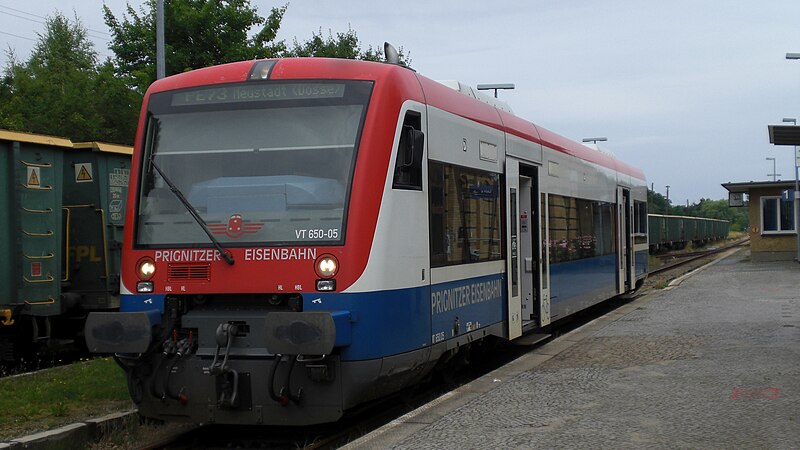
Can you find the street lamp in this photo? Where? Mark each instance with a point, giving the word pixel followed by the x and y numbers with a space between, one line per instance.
pixel 773 174
pixel 796 202
pixel 495 87
pixel 594 140
pixel 667 195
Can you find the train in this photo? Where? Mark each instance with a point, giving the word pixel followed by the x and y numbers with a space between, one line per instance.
pixel 672 232
pixel 63 207
pixel 304 241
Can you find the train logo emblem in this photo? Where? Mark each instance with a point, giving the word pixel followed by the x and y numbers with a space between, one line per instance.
pixel 236 227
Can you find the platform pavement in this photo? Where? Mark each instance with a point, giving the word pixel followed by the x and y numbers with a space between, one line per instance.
pixel 713 361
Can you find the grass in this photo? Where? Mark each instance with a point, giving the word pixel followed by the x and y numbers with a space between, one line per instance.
pixel 59 396
pixel 662 285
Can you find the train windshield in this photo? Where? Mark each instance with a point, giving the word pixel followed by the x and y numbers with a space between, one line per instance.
pixel 259 162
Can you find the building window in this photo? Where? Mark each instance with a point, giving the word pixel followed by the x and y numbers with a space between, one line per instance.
pixel 777 214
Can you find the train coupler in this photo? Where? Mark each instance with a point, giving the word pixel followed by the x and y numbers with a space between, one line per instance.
pixel 227 379
pixel 225 334
pixel 228 389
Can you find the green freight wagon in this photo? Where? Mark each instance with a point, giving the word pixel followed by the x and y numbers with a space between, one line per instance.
pixel 692 228
pixel 720 229
pixel 656 232
pixel 675 234
pixel 665 232
pixel 61 215
pixel 668 232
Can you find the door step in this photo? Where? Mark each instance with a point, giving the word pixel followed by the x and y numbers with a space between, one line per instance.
pixel 530 339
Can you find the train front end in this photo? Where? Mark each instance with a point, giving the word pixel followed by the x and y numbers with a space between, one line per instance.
pixel 257 189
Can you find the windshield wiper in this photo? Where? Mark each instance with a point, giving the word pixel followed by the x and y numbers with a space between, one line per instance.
pixel 225 254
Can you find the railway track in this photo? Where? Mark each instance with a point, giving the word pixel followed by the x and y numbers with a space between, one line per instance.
pixel 353 425
pixel 682 259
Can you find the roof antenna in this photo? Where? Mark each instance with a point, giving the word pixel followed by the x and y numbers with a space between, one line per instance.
pixel 392 57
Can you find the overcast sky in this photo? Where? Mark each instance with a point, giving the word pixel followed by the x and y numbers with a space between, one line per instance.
pixel 683 89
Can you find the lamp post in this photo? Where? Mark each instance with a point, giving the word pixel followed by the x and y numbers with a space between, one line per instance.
pixel 796 201
pixel 594 140
pixel 667 195
pixel 773 174
pixel 160 52
pixel 495 87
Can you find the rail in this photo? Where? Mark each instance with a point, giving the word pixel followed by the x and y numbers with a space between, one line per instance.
pixel 689 257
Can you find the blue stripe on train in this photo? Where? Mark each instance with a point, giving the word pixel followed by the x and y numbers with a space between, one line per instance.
pixel 577 278
pixel 397 321
pixel 642 259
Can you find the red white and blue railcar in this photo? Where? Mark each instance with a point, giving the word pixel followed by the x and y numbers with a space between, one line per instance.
pixel 308 234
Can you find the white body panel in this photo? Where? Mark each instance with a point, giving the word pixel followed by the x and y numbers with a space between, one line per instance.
pixel 400 256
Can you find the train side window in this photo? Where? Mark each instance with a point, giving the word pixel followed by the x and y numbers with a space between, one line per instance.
pixel 580 228
pixel 408 167
pixel 639 222
pixel 465 222
pixel 639 218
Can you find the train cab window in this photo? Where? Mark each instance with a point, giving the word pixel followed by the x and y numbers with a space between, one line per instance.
pixel 408 167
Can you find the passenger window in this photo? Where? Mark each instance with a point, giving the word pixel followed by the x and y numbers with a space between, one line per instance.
pixel 408 167
pixel 465 223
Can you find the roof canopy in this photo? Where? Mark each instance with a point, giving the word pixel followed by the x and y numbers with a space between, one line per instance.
pixel 784 134
pixel 751 185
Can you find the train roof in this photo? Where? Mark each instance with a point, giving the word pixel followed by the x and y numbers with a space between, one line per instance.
pixel 477 95
pixel 32 138
pixel 56 141
pixel 105 147
pixel 432 93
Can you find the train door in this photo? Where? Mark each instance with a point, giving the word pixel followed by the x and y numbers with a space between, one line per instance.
pixel 544 261
pixel 514 302
pixel 625 261
pixel 535 306
pixel 526 301
pixel 526 231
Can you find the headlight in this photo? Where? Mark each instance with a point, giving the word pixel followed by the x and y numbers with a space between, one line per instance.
pixel 144 287
pixel 326 266
pixel 145 268
pixel 326 285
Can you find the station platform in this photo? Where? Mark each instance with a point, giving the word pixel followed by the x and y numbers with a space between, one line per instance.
pixel 712 361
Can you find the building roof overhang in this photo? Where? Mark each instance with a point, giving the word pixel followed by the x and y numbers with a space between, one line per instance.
pixel 752 185
pixel 784 134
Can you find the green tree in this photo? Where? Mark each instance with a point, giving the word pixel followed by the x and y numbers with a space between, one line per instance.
pixel 52 91
pixel 657 203
pixel 118 104
pixel 7 94
pixel 198 33
pixel 62 91
pixel 342 45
